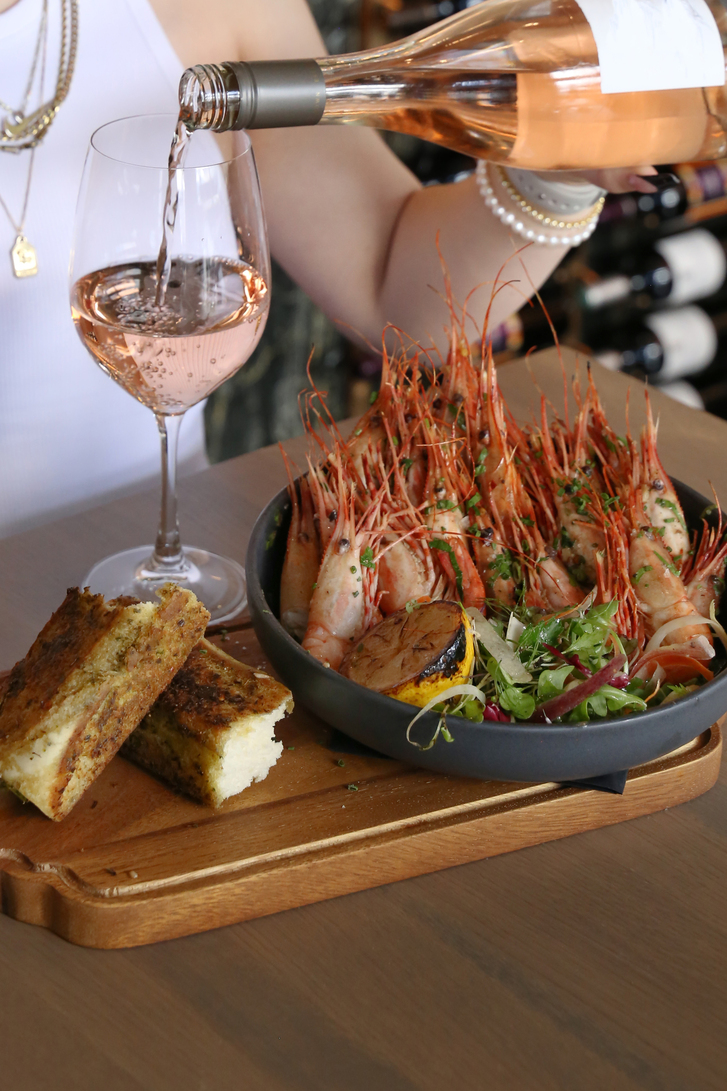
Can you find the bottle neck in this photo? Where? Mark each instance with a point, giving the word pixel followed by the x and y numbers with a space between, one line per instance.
pixel 670 345
pixel 636 350
pixel 670 200
pixel 261 95
pixel 682 267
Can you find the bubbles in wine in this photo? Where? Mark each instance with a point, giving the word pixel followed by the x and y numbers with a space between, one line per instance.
pixel 172 355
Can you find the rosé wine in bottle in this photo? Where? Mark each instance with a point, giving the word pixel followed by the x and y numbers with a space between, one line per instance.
pixel 553 85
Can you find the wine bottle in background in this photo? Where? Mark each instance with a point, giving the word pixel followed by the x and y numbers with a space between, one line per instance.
pixel 411 17
pixel 685 393
pixel 678 268
pixel 669 201
pixel 560 85
pixel 663 346
pixel 700 188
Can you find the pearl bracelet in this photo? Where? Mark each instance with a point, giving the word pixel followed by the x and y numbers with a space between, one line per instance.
pixel 509 205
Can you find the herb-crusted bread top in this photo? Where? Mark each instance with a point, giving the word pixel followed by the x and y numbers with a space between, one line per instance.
pixel 213 691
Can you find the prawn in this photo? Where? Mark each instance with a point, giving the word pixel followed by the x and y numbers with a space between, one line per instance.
pixel 659 589
pixel 567 476
pixel 406 568
pixel 704 568
pixel 302 558
pixel 660 501
pixel 343 599
pixel 613 580
pixel 444 515
pixel 549 585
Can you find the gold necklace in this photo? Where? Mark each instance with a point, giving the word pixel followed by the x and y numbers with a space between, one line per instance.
pixel 29 131
pixel 17 114
pixel 22 254
pixel 25 133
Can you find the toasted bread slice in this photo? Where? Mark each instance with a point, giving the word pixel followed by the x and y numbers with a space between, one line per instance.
pixel 210 734
pixel 92 674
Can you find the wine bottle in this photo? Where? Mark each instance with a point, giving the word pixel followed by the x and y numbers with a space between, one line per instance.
pixel 685 393
pixel 411 17
pixel 557 85
pixel 701 187
pixel 714 398
pixel 680 267
pixel 669 201
pixel 663 346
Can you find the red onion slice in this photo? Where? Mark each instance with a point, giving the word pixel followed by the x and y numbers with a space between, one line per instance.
pixel 571 660
pixel 566 702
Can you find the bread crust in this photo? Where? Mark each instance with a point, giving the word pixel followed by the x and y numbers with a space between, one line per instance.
pixel 185 737
pixel 213 690
pixel 91 675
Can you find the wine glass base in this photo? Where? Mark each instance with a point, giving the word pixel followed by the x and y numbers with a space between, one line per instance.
pixel 218 582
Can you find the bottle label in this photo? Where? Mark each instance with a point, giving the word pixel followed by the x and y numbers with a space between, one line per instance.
pixel 610 359
pixel 605 292
pixel 697 262
pixel 703 181
pixel 644 46
pixel 688 340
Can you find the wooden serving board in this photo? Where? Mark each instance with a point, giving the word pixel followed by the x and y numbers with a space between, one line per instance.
pixel 134 863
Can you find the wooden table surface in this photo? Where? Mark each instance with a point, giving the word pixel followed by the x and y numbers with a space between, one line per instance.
pixel 598 962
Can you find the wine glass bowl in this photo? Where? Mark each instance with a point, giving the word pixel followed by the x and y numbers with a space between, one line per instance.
pixel 169 327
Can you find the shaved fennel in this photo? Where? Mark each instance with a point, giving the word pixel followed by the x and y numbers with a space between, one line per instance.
pixel 464 689
pixel 679 623
pixel 497 647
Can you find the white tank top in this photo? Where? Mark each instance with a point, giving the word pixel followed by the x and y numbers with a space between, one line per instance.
pixel 69 436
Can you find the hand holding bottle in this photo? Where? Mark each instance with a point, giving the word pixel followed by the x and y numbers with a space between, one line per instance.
pixel 613 179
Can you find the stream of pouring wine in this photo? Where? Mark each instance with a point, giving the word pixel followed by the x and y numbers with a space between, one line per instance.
pixel 177 153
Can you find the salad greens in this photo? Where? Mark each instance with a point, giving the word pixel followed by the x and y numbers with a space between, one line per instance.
pixel 570 668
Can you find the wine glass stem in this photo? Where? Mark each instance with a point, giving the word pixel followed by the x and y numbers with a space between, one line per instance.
pixel 168 549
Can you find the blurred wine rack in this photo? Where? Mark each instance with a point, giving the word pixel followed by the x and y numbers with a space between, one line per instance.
pixel 647 294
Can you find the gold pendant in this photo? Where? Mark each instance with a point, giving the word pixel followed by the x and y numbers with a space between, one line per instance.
pixel 25 263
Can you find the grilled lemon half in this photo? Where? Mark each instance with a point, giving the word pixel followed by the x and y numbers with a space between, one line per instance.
pixel 414 655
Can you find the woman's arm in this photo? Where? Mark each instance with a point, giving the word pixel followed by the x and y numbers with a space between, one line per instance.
pixel 347 220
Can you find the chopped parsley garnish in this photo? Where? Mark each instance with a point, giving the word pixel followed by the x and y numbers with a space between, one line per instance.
pixel 367 558
pixel 566 542
pixel 664 503
pixel 668 565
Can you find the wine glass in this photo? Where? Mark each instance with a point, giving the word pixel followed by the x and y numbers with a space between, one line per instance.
pixel 169 335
